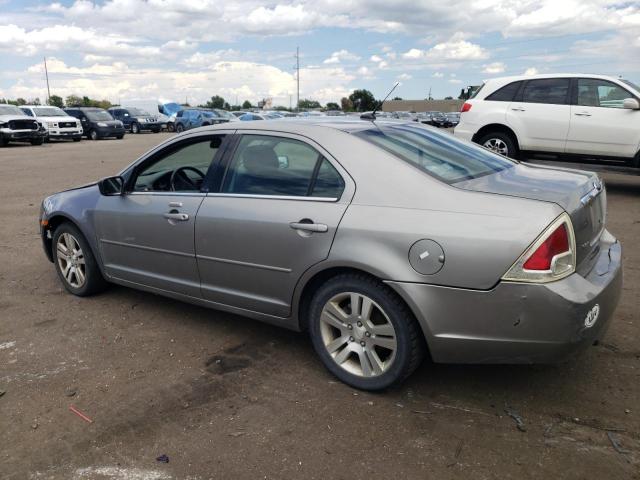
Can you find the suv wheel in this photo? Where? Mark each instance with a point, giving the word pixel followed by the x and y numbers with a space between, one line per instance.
pixel 501 143
pixel 93 135
pixel 364 334
pixel 179 128
pixel 37 141
pixel 135 128
pixel 75 264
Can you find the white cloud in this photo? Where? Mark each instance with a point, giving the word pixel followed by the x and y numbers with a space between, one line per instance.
pixel 438 75
pixel 376 58
pixel 404 77
pixel 493 68
pixel 341 55
pixel 453 49
pixel 455 81
pixel 531 71
pixel 365 72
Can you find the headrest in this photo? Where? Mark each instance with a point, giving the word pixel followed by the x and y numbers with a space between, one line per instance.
pixel 260 160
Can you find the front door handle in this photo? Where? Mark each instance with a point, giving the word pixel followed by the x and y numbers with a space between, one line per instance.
pixel 582 114
pixel 309 227
pixel 178 217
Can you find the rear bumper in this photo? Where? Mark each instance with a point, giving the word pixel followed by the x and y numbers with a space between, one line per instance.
pixel 519 322
pixel 465 131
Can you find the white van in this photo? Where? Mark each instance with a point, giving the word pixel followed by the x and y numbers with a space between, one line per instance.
pixel 589 115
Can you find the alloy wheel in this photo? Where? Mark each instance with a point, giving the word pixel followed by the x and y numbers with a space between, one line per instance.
pixel 358 334
pixel 497 145
pixel 71 260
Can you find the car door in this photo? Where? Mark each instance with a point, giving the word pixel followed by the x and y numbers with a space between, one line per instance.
pixel 600 125
pixel 540 114
pixel 274 216
pixel 146 236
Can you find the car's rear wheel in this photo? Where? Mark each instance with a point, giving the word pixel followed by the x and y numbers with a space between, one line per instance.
pixel 501 143
pixel 364 333
pixel 74 261
pixel 135 128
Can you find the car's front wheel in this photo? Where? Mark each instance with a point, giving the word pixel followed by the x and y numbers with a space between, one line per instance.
pixel 93 135
pixel 135 128
pixel 74 261
pixel 364 333
pixel 501 143
pixel 37 141
pixel 179 128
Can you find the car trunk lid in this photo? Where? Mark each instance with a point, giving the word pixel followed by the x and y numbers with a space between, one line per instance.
pixel 581 194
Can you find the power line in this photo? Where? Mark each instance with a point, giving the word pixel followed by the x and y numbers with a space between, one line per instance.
pixel 297 78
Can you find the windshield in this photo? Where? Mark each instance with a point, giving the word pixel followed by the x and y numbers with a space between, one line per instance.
pixel 98 115
pixel 631 84
pixel 10 110
pixel 439 155
pixel 138 112
pixel 209 114
pixel 49 112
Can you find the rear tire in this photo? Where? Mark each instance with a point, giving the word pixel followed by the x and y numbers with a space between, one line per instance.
pixel 74 261
pixel 501 143
pixel 373 346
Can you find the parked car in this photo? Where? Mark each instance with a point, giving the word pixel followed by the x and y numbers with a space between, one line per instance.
pixel 226 115
pixel 238 113
pixel 15 126
pixel 435 119
pixel 453 117
pixel 164 111
pixel 466 255
pixel 585 115
pixel 404 115
pixel 192 118
pixel 97 122
pixel 136 120
pixel 56 123
pixel 250 116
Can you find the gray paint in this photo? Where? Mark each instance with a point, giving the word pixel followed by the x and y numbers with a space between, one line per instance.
pixel 239 253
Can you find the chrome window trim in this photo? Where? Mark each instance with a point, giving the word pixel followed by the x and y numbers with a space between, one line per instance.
pixel 275 197
pixel 169 194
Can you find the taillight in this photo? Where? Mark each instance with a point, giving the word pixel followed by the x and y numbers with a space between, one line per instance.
pixel 466 106
pixel 551 257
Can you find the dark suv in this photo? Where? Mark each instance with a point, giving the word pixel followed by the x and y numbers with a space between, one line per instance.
pixel 193 118
pixel 97 122
pixel 136 120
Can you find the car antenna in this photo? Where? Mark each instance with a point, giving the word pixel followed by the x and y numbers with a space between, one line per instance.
pixel 372 116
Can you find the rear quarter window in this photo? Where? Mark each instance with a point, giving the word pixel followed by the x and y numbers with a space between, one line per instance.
pixel 506 93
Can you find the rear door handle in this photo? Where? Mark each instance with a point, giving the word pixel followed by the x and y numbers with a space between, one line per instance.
pixel 309 227
pixel 518 109
pixel 178 217
pixel 582 114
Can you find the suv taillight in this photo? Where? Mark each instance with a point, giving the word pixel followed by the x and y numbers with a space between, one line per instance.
pixel 466 106
pixel 551 257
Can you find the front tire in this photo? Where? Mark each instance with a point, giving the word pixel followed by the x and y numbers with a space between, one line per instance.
pixel 93 135
pixel 501 143
pixel 364 333
pixel 37 141
pixel 179 128
pixel 119 137
pixel 135 128
pixel 74 261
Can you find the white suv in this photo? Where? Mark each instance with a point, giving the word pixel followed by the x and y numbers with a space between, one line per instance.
pixel 592 115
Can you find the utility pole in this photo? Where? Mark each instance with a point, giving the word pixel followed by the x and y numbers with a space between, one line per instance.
pixel 46 74
pixel 298 78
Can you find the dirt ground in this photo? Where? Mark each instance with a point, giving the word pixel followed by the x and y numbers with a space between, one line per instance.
pixel 225 397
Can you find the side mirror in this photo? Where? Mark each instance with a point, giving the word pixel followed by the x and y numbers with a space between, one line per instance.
pixel 631 104
pixel 111 186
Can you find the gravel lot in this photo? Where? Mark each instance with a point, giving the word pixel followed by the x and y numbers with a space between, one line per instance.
pixel 226 397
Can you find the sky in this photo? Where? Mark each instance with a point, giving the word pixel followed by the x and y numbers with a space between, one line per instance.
pixel 190 50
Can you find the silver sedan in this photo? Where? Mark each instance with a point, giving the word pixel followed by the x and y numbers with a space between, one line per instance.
pixel 385 241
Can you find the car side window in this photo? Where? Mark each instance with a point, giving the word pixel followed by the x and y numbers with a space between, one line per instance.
pixel 266 165
pixel 600 93
pixel 27 112
pixel 328 182
pixel 546 90
pixel 506 93
pixel 179 168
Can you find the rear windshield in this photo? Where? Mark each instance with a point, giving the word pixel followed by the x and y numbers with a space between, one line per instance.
pixel 439 155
